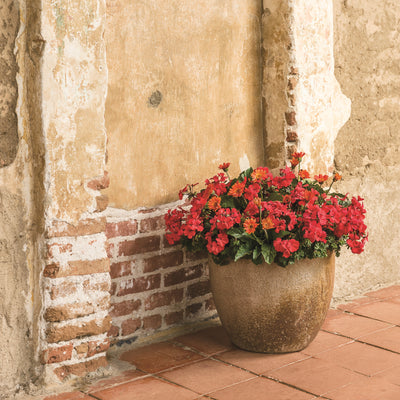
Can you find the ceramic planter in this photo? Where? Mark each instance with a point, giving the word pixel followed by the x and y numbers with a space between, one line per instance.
pixel 269 309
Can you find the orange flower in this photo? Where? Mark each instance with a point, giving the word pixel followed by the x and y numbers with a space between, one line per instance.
pixel 224 166
pixel 250 225
pixel 260 174
pixel 214 203
pixel 304 174
pixel 294 161
pixel 321 178
pixel 257 201
pixel 337 177
pixel 298 155
pixel 267 223
pixel 237 189
pixel 286 198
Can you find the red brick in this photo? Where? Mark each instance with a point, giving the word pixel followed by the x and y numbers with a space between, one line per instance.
pixel 64 312
pixel 166 260
pixel 62 289
pixel 196 256
pixel 113 289
pixel 198 289
pixel 174 318
pixel 78 267
pixel 130 326
pixel 110 248
pixel 57 354
pixel 139 245
pixel 96 347
pixel 123 268
pixel 101 203
pixel 160 299
pixel 183 275
pixel 193 309
pixel 56 332
pixel 124 307
pixel 291 136
pixel 54 249
pixel 147 210
pixel 152 322
pixel 123 228
pixel 141 284
pixel 166 245
pixel 80 369
pixel 290 118
pixel 80 228
pixel 100 183
pixel 152 224
pixel 113 331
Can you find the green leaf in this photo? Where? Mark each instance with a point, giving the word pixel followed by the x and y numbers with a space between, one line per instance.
pixel 246 173
pixel 268 253
pixel 227 202
pixel 256 253
pixel 275 197
pixel 244 250
pixel 236 232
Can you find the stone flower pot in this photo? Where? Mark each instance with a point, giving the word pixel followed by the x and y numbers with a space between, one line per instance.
pixel 269 309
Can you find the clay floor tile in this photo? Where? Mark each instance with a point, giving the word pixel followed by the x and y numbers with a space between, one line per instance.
pixel 209 341
pixel 362 358
pixel 206 376
pixel 325 341
pixel 366 388
pixel 391 375
pixel 387 311
pixel 352 326
pixel 314 376
pixel 159 357
pixel 124 377
pixel 258 362
pixel 388 339
pixel 385 293
pixel 149 388
pixel 260 389
pixel 350 306
pixel 69 396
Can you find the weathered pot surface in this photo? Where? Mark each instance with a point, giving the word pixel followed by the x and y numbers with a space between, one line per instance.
pixel 269 309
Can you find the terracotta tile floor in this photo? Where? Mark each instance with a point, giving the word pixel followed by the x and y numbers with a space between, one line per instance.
pixel 356 356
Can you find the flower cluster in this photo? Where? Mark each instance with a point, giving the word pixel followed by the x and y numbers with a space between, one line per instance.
pixel 268 218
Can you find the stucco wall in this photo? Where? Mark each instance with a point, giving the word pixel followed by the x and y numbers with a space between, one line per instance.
pixel 184 94
pixel 21 189
pixel 367 149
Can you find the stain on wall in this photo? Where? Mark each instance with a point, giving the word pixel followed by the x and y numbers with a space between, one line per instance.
pixel 9 24
pixel 184 94
pixel 367 149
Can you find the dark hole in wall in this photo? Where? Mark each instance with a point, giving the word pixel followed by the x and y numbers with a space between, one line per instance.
pixel 9 25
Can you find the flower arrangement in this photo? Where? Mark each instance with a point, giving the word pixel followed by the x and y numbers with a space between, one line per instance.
pixel 268 218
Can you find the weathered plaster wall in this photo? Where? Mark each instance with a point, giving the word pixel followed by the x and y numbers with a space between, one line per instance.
pixel 9 22
pixel 74 90
pixel 320 107
pixel 367 149
pixel 21 193
pixel 183 94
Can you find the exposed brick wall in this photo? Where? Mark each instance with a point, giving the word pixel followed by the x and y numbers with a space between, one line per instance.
pixel 154 285
pixel 76 284
pixel 290 115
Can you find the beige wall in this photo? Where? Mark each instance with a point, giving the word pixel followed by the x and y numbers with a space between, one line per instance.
pixel 367 57
pixel 183 94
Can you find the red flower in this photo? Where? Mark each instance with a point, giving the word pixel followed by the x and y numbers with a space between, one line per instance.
pixel 298 155
pixel 252 191
pixel 224 166
pixel 304 174
pixel 287 247
pixel 216 246
pixel 294 161
pixel 250 225
pixel 321 178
